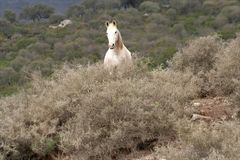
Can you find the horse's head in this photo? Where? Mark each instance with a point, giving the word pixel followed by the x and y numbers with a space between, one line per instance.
pixel 113 34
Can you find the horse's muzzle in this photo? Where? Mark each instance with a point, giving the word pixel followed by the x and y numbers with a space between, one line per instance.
pixel 111 46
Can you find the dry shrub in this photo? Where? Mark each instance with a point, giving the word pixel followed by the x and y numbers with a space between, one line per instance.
pixel 199 55
pixel 87 111
pixel 227 76
pixel 215 63
pixel 215 142
pixel 128 115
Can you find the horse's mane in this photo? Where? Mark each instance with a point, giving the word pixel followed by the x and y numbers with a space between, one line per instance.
pixel 119 43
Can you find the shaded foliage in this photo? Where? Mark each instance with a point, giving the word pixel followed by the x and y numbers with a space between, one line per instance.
pixel 37 12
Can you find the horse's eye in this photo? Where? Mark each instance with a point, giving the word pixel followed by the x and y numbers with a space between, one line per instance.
pixel 116 32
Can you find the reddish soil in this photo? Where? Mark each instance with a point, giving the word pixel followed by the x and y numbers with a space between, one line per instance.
pixel 218 108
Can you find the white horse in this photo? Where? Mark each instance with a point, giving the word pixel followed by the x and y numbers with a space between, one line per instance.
pixel 117 54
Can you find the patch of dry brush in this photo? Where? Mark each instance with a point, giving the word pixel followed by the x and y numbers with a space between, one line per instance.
pixel 83 112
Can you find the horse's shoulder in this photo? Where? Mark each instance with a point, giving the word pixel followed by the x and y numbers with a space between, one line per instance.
pixel 126 51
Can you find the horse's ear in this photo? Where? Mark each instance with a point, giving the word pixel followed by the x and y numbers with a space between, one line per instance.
pixel 107 23
pixel 114 23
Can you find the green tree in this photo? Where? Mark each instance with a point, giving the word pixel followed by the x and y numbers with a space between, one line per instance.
pixel 10 16
pixel 37 12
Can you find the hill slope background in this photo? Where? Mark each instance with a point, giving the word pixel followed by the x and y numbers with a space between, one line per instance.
pixel 17 5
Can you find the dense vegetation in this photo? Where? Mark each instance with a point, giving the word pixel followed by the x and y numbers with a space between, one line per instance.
pixel 153 29
pixel 86 113
pixel 67 107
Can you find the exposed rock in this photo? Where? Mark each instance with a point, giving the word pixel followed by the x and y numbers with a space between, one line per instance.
pixel 200 117
pixel 53 27
pixel 62 24
pixel 65 23
pixel 196 104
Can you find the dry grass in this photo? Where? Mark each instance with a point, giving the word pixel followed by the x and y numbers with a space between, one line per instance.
pixel 84 112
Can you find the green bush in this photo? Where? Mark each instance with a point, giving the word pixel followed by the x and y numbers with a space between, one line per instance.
pixel 40 48
pixel 45 66
pixel 23 43
pixel 226 34
pixel 19 62
pixel 228 31
pixel 232 13
pixel 8 76
pixel 30 56
pixel 185 6
pixel 190 25
pixel 149 7
pixel 220 21
pixel 67 51
pixel 159 19
pixel 215 6
pixel 172 13
pixel 6 28
pixel 4 63
pixel 8 91
pixel 179 30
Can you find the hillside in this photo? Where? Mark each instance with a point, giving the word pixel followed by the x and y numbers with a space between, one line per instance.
pixel 152 30
pixel 17 5
pixel 88 114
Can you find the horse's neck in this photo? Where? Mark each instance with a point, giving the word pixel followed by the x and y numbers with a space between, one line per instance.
pixel 119 51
